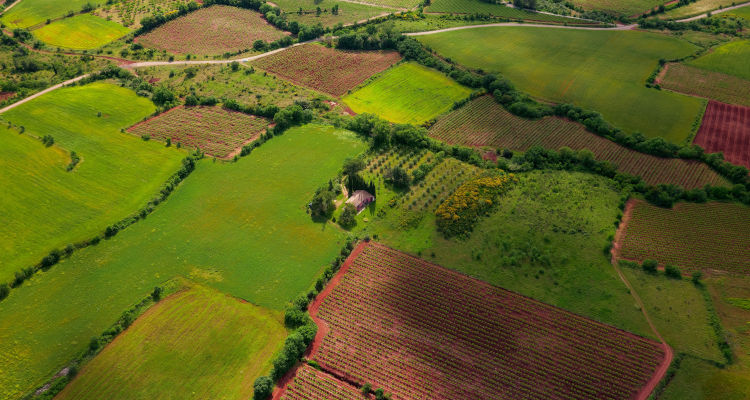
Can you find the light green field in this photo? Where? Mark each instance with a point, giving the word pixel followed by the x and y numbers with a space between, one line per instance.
pixel 700 7
pixel 545 240
pixel 699 380
pixel 678 310
pixel 481 7
pixel 348 12
pixel 239 227
pixel 743 12
pixel 731 59
pixel 407 93
pixel 197 343
pixel 627 7
pixel 81 32
pixel 32 12
pixel 45 207
pixel 598 70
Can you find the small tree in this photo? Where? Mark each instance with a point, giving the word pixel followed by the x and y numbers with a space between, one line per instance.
pixel 696 277
pixel 366 389
pixel 262 388
pixel 259 45
pixel 348 216
pixel 156 294
pixel 353 165
pixel 650 266
pixel 398 177
pixel 163 96
pixel 322 205
pixel 672 271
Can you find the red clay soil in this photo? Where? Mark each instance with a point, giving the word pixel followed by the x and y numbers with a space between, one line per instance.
pixel 6 95
pixel 726 128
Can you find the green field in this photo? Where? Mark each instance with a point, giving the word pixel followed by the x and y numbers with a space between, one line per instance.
pixel 598 70
pixel 701 7
pixel 743 12
pixel 407 93
pixel 731 59
pixel 627 8
pixel 33 12
pixel 197 343
pixel 45 207
pixel 239 227
pixel 699 380
pixel 348 12
pixel 545 240
pixel 498 10
pixel 81 32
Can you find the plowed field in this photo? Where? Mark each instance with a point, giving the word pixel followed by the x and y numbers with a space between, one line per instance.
pixel 726 129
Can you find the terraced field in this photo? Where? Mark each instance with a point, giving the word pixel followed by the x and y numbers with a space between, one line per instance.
pixel 484 123
pixel 195 343
pixel 81 32
pixel 710 236
pixel 325 69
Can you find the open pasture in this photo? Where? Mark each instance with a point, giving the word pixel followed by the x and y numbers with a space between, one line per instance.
pixel 130 12
pixel 46 207
pixel 498 10
pixel 197 343
pixel 80 32
pixel 711 236
pixel 420 331
pixel 348 12
pixel 485 123
pixel 209 31
pixel 325 69
pixel 730 58
pixel 726 129
pixel 236 227
pixel 598 70
pixel 407 93
pixel 712 85
pixel 28 13
pixel 309 383
pixel 216 131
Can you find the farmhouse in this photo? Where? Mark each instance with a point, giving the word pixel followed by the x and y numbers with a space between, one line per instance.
pixel 360 199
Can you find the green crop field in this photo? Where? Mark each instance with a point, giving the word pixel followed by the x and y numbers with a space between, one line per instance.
pixel 700 7
pixel 348 12
pixel 627 8
pixel 197 343
pixel 743 12
pixel 46 207
pixel 407 93
pixel 730 59
pixel 498 10
pixel 239 227
pixel 699 380
pixel 713 85
pixel 81 32
pixel 33 12
pixel 602 71
pixel 544 240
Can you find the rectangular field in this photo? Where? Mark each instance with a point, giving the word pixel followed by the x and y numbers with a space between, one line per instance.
pixel 604 71
pixel 407 93
pixel 626 8
pixel 129 13
pixel 726 129
pixel 712 236
pixel 210 31
pixel 33 12
pixel 216 131
pixel 197 343
pixel 80 32
pixel 712 85
pixel 348 12
pixel 325 69
pixel 485 123
pixel 423 332
pixel 498 10
pixel 730 58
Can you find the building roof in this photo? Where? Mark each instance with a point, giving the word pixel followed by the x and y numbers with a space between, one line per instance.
pixel 360 197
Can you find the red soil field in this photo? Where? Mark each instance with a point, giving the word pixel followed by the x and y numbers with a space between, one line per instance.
pixel 485 123
pixel 726 128
pixel 420 331
pixel 309 383
pixel 210 31
pixel 216 131
pixel 711 236
pixel 326 69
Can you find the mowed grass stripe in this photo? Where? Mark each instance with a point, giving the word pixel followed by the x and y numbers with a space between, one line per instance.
pixel 407 93
pixel 45 207
pixel 196 343
pixel 603 71
pixel 238 227
pixel 81 32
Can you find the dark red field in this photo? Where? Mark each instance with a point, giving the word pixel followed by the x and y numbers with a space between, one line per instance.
pixel 309 383
pixel 726 129
pixel 420 331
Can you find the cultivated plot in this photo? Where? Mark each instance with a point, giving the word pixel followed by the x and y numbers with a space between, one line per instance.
pixel 325 69
pixel 485 123
pixel 197 343
pixel 387 324
pixel 309 383
pixel 213 30
pixel 407 93
pixel 129 13
pixel 730 59
pixel 35 12
pixel 627 8
pixel 498 10
pixel 597 70
pixel 712 85
pixel 710 236
pixel 80 32
pixel 698 7
pixel 306 11
pixel 726 129
pixel 216 131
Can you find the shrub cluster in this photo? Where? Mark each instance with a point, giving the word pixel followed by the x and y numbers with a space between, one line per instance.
pixel 716 25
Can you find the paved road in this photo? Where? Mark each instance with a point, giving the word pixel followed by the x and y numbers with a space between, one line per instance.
pixel 458 28
pixel 713 13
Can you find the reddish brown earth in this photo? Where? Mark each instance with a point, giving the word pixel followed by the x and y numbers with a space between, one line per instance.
pixel 726 129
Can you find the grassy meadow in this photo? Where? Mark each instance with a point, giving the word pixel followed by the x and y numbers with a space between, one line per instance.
pixel 44 206
pixel 33 12
pixel 699 380
pixel 407 93
pixel 81 32
pixel 498 10
pixel 348 12
pixel 730 59
pixel 241 228
pixel 197 343
pixel 545 240
pixel 602 71
pixel 627 8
